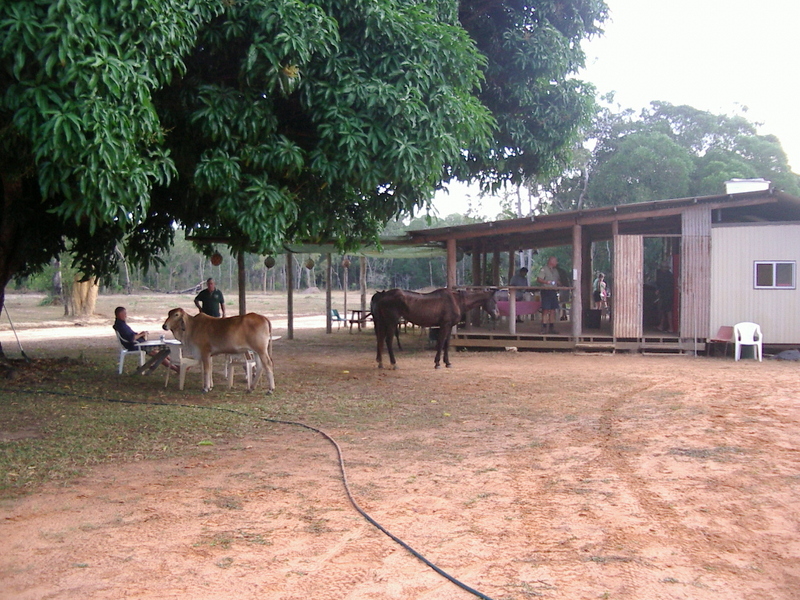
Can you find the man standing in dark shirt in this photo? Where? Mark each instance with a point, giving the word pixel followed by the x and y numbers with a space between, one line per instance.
pixel 210 300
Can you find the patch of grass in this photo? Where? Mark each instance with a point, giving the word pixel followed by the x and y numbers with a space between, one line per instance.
pixel 227 502
pixel 75 415
pixel 472 501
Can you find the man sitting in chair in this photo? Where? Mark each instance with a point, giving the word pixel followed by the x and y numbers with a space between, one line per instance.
pixel 130 338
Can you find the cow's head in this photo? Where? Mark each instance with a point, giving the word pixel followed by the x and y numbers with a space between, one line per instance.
pixel 176 323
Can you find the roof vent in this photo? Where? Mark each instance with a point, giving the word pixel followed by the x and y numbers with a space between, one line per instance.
pixel 739 186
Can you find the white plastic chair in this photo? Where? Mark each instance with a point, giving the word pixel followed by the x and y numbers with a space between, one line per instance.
pixel 124 352
pixel 747 334
pixel 184 363
pixel 250 364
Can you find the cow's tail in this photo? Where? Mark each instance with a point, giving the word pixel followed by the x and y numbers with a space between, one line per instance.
pixel 269 340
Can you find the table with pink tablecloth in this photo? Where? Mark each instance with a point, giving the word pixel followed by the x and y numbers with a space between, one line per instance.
pixel 524 307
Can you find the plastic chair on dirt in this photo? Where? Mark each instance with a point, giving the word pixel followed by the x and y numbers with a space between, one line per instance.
pixel 184 363
pixel 124 352
pixel 337 318
pixel 747 334
pixel 724 336
pixel 248 359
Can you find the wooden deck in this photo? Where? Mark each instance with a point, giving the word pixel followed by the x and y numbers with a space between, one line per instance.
pixel 529 336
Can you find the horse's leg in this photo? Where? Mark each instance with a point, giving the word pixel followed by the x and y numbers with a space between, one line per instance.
pixel 447 347
pixel 439 347
pixel 389 334
pixel 379 336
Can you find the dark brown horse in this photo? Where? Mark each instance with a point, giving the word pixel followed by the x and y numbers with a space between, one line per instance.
pixel 442 308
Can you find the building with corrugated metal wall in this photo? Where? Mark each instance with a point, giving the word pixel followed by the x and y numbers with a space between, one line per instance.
pixel 740 253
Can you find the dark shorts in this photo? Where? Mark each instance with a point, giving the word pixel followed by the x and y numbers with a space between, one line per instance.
pixel 549 300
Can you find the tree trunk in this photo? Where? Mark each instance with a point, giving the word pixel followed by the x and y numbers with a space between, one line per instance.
pixel 84 296
pixel 127 271
pixel 10 232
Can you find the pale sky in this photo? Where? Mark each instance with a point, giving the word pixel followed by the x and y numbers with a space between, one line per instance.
pixel 714 55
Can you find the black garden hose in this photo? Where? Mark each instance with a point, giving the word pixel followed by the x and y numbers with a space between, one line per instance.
pixel 350 497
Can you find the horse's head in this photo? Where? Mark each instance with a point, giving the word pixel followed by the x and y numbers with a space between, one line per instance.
pixel 490 305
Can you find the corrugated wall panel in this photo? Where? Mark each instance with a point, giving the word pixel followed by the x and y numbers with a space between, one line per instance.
pixel 734 250
pixel 628 292
pixel 695 284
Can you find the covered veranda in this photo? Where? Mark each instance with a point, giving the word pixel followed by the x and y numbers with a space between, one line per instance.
pixel 684 224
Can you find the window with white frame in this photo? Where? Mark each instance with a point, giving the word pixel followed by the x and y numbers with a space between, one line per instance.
pixel 775 274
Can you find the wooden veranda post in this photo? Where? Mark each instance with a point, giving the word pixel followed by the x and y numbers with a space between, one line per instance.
pixel 577 288
pixel 362 276
pixel 476 266
pixel 451 263
pixel 242 283
pixel 328 280
pixel 289 296
pixel 346 274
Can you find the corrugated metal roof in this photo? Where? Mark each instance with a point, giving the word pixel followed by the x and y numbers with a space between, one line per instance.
pixel 661 217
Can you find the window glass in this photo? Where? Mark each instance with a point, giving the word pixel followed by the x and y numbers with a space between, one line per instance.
pixel 784 275
pixel 775 274
pixel 763 274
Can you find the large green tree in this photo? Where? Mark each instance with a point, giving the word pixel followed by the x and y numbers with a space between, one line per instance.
pixel 317 121
pixel 81 145
pixel 267 121
pixel 644 166
pixel 665 151
pixel 673 151
pixel 533 51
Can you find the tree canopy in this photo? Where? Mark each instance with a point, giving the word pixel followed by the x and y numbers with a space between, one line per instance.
pixel 533 50
pixel 268 121
pixel 667 151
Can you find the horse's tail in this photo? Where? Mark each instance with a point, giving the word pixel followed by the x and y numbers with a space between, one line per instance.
pixel 374 310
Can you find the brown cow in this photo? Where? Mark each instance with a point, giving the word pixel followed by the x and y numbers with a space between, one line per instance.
pixel 204 337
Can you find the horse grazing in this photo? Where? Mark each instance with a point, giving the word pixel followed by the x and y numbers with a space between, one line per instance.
pixel 442 308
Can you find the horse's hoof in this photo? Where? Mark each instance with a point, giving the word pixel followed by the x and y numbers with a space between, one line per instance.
pixel 394 367
pixel 269 392
pixel 437 366
pixel 448 365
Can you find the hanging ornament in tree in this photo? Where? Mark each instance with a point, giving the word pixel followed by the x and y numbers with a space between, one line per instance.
pixel 269 262
pixel 310 263
pixel 216 259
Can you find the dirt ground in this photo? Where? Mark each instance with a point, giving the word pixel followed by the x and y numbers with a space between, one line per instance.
pixel 523 475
